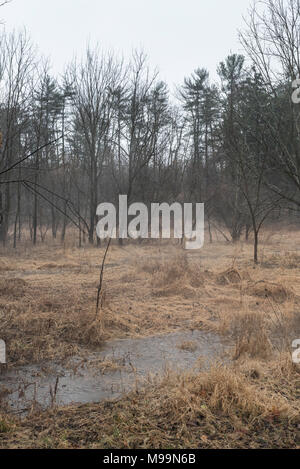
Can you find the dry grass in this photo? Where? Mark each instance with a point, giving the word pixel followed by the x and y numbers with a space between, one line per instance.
pixel 176 276
pixel 12 287
pixel 250 334
pixel 288 260
pixel 39 324
pixel 222 408
pixel 189 346
pixel 232 276
pixel 277 292
pixel 47 310
pixel 47 300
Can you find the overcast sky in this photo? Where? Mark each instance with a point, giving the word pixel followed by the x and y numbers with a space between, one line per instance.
pixel 178 35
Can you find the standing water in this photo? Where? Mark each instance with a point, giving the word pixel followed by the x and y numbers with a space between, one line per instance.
pixel 127 362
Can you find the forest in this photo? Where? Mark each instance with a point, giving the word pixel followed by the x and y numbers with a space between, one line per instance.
pixel 107 127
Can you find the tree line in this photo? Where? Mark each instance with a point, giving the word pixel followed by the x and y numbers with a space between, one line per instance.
pixel 109 127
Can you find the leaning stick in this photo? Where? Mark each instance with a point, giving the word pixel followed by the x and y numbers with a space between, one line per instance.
pixel 101 279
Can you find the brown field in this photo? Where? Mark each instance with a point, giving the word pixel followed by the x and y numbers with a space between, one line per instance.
pixel 48 312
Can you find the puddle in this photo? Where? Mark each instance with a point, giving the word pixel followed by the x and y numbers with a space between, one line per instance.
pixel 135 360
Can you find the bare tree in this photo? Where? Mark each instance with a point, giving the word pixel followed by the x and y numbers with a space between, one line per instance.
pixel 92 81
pixel 16 65
pixel 272 41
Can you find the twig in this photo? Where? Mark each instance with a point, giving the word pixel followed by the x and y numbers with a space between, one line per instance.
pixel 101 278
pixel 10 168
pixel 33 190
